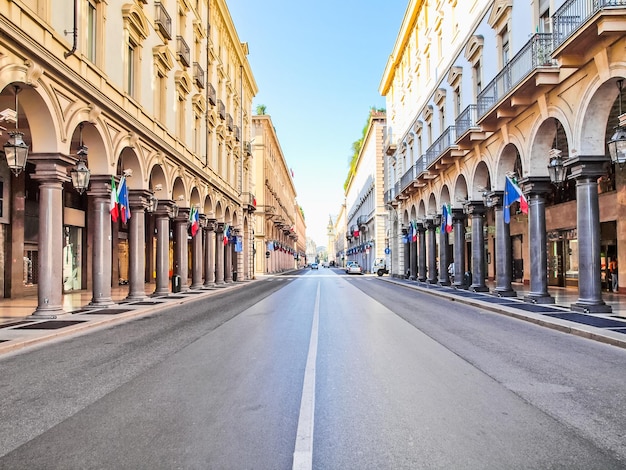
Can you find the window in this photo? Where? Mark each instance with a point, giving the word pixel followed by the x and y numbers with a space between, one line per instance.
pixel 478 78
pixel 160 94
pixel 131 59
pixel 504 37
pixel 92 31
pixel 136 29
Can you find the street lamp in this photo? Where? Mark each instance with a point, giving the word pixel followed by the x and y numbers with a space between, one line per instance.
pixel 15 150
pixel 617 144
pixel 556 168
pixel 80 175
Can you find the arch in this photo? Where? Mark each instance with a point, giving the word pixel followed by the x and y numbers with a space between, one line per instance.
pixel 508 161
pixel 460 191
pixel 179 193
pixel 129 162
pixel 545 138
pixel 481 181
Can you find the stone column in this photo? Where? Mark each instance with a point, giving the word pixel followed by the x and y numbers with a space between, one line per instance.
pixel 138 200
pixel 535 189
pixel 181 263
pixel 586 170
pixel 51 173
pixel 444 277
pixel 504 257
pixel 421 259
pixel 406 251
pixel 458 221
pixel 228 259
pixel 431 225
pixel 209 252
pixel 412 245
pixel 476 211
pixel 197 258
pixel 162 216
pixel 219 253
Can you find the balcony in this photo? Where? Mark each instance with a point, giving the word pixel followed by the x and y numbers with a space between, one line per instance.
pixel 221 109
pixel 580 23
pixel 163 21
pixel 212 95
pixel 182 51
pixel 247 148
pixel 361 221
pixel 198 75
pixel 249 202
pixel 531 68
pixel 237 133
pixel 441 154
pixel 467 129
pixel 229 122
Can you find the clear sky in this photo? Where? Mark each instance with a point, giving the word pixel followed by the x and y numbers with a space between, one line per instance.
pixel 318 66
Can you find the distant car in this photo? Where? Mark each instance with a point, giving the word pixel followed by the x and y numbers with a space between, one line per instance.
pixel 314 265
pixel 353 268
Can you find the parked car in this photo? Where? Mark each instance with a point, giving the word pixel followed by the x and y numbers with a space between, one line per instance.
pixel 353 268
pixel 314 265
pixel 380 267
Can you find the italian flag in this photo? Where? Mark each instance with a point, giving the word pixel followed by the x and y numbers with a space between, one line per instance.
pixel 114 205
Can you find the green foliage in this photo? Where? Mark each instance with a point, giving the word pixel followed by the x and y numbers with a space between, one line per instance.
pixel 261 109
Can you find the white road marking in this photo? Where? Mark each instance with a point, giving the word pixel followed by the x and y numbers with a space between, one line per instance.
pixel 303 454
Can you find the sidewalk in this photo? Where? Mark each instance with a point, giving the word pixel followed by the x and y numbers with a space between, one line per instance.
pixel 608 328
pixel 18 329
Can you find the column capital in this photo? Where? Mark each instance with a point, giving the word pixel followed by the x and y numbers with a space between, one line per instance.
pixel 586 166
pixel 219 227
pixel 100 186
pixel 210 224
pixel 458 215
pixel 183 214
pixel 475 208
pixel 536 185
pixel 165 208
pixel 51 167
pixel 139 199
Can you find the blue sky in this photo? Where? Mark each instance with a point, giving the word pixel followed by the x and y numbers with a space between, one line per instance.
pixel 318 66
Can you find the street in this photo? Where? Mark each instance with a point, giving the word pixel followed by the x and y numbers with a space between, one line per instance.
pixel 343 371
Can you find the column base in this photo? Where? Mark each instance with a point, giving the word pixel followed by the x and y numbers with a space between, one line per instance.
pixel 47 314
pixel 100 303
pixel 504 292
pixel 539 299
pixel 444 283
pixel 136 297
pixel 591 308
pixel 432 281
pixel 479 288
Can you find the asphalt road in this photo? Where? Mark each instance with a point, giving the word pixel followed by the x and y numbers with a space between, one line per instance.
pixel 361 373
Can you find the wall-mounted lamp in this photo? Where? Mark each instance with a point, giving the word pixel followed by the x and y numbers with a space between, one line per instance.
pixel 556 169
pixel 15 150
pixel 617 144
pixel 80 174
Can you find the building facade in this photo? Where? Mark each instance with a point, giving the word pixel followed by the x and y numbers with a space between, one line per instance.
pixel 158 91
pixel 475 95
pixel 366 214
pixel 277 214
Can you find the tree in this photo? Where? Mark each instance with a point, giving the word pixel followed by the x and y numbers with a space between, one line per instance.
pixel 260 109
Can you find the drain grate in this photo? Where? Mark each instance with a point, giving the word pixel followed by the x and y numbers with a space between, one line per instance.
pixel 50 325
pixel 599 322
pixel 107 311
pixel 16 323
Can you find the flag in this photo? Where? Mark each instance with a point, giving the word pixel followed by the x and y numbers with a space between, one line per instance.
pixel 194 218
pixel 446 218
pixel 226 230
pixel 414 235
pixel 113 207
pixel 355 233
pixel 122 199
pixel 513 193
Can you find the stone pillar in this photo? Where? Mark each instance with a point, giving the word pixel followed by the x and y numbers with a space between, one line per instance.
pixel 421 258
pixel 406 268
pixel 504 257
pixel 228 259
pixel 458 221
pixel 209 252
pixel 444 277
pixel 412 244
pixel 431 226
pixel 219 253
pixel 139 200
pixel 535 189
pixel 586 170
pixel 197 258
pixel 476 211
pixel 51 173
pixel 181 263
pixel 162 216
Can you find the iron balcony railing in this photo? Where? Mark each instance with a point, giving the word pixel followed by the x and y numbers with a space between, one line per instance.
pixel 221 109
pixel 361 220
pixel 162 20
pixel 212 95
pixel 444 142
pixel 229 122
pixel 536 52
pixel 198 74
pixel 182 50
pixel 237 133
pixel 574 13
pixel 408 177
pixel 466 120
